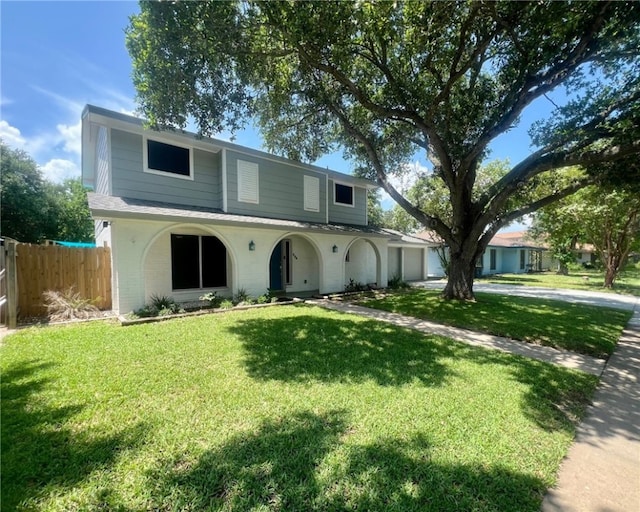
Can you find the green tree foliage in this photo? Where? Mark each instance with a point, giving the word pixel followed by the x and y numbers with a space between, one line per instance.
pixel 388 80
pixel 607 217
pixel 33 210
pixel 27 212
pixel 553 225
pixel 375 215
pixel 561 231
pixel 74 222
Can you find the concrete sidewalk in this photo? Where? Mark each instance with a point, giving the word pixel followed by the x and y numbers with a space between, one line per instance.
pixel 565 358
pixel 601 472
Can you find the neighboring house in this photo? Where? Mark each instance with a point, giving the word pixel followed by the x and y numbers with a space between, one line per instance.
pixel 514 253
pixel 586 254
pixel 506 253
pixel 185 215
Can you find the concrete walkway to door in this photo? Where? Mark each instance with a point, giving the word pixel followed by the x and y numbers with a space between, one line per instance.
pixel 601 472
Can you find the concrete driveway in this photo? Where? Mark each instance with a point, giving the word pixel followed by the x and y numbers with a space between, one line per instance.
pixel 612 300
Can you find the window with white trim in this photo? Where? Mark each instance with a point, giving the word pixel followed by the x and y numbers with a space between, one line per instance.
pixel 343 194
pixel 197 262
pixel 168 159
pixel 311 193
pixel 248 185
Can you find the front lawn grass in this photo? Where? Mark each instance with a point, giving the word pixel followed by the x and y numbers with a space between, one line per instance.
pixel 590 330
pixel 628 282
pixel 281 409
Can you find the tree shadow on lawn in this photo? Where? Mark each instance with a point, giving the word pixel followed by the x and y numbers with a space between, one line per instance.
pixel 299 348
pixel 302 463
pixel 556 398
pixel 572 326
pixel 39 448
pixel 306 347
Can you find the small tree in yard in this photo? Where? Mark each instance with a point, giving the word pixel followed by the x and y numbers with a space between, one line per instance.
pixel 561 229
pixel 387 81
pixel 606 217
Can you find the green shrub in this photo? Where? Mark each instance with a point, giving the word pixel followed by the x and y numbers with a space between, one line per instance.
pixel 226 304
pixel 396 283
pixel 159 305
pixel 242 297
pixel 354 286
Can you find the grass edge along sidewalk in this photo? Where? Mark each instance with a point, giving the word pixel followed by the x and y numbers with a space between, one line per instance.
pixel 586 329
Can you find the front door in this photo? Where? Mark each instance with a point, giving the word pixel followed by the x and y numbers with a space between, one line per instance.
pixel 280 266
pixel 275 269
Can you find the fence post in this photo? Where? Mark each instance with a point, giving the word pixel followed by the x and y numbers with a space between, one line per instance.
pixel 12 284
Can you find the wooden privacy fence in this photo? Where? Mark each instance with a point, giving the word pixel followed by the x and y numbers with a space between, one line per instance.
pixel 39 268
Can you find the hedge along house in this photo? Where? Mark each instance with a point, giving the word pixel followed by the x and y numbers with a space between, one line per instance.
pixel 186 215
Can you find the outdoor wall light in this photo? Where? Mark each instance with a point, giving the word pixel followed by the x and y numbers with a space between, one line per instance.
pixel 334 248
pixel 252 246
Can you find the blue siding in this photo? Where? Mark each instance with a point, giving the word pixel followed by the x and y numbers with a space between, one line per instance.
pixel 130 180
pixel 343 214
pixel 281 190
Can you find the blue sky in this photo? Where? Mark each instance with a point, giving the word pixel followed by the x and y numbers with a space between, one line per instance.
pixel 58 56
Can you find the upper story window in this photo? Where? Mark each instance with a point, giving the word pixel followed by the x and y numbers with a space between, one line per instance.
pixel 343 194
pixel 168 159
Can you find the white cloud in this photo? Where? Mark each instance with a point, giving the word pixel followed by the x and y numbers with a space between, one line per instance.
pixel 71 137
pixel 57 170
pixel 11 135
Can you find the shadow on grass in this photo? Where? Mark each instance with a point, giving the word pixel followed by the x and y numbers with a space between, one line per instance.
pixel 299 348
pixel 555 398
pixel 38 450
pixel 302 463
pixel 582 328
pixel 303 347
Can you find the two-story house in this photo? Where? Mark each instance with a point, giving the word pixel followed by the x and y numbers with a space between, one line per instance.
pixel 185 215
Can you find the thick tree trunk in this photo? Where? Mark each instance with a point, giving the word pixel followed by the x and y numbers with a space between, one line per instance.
pixel 563 270
pixel 460 283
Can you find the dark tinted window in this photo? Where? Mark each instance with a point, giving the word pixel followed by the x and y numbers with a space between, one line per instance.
pixel 214 262
pixel 168 158
pixel 185 262
pixel 344 194
pixel 197 262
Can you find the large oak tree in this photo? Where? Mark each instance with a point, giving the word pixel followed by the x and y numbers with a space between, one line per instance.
pixel 385 81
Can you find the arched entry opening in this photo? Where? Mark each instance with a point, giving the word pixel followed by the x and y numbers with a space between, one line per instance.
pixel 362 265
pixel 294 266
